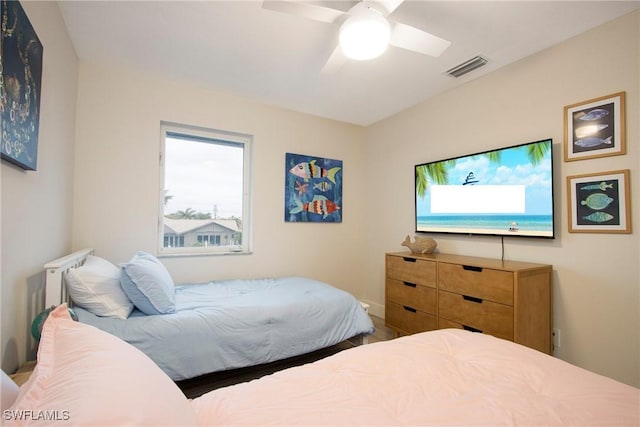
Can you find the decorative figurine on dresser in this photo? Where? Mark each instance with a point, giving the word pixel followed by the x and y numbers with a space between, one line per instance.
pixel 420 245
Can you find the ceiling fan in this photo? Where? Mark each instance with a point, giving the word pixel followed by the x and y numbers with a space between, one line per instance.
pixel 365 31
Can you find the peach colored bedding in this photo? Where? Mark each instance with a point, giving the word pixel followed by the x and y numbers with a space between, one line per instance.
pixel 85 376
pixel 447 377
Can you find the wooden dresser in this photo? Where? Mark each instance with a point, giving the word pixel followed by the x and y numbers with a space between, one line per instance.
pixel 507 299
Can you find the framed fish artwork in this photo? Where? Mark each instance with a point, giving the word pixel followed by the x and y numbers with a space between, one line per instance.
pixel 20 80
pixel 312 189
pixel 595 128
pixel 599 202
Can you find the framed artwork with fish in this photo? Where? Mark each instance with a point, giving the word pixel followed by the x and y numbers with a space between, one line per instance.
pixel 20 79
pixel 599 202
pixel 312 189
pixel 595 128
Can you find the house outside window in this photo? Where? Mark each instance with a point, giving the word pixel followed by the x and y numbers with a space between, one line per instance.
pixel 205 191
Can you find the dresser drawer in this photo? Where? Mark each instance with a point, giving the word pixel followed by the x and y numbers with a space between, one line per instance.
pixel 410 294
pixel 408 319
pixel 412 270
pixel 444 324
pixel 476 314
pixel 484 283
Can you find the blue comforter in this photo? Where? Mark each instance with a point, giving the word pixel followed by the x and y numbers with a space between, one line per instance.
pixel 230 324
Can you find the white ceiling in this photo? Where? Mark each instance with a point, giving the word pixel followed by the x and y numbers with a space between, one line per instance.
pixel 239 47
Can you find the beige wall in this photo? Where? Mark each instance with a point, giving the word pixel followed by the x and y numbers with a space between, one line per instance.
pixel 117 177
pixel 36 206
pixel 596 277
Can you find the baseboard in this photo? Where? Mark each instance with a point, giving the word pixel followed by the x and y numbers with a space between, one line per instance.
pixel 375 308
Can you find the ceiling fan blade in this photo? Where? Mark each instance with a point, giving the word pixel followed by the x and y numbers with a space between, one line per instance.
pixel 335 61
pixel 386 7
pixel 305 9
pixel 411 38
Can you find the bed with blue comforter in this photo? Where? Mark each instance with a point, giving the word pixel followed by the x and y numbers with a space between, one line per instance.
pixel 229 324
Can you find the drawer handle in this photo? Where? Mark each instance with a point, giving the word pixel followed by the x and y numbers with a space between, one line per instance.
pixel 469 328
pixel 407 259
pixel 413 310
pixel 411 285
pixel 472 268
pixel 472 299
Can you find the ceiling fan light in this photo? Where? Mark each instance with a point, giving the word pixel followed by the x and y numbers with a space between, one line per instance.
pixel 365 36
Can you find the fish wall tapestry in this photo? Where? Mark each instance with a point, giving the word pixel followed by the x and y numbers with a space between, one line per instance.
pixel 312 189
pixel 20 79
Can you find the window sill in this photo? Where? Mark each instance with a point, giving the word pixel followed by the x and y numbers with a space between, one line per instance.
pixel 201 254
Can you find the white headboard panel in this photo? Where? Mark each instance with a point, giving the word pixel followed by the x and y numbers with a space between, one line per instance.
pixel 55 290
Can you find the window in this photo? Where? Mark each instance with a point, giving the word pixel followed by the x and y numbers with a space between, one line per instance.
pixel 205 191
pixel 209 239
pixel 172 240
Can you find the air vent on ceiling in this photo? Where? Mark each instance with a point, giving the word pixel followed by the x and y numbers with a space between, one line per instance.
pixel 467 66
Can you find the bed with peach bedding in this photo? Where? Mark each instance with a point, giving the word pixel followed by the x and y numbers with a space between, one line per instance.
pixel 447 377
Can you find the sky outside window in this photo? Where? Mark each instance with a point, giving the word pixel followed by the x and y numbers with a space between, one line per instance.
pixel 204 177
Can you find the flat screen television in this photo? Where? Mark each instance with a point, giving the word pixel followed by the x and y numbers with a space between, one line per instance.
pixel 502 192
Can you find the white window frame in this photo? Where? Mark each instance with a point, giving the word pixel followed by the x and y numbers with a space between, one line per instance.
pixel 214 135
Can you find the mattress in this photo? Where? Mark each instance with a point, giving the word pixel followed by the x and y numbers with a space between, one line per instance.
pixel 440 378
pixel 223 325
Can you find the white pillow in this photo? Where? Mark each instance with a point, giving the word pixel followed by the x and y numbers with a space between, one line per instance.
pixel 85 376
pixel 148 284
pixel 95 286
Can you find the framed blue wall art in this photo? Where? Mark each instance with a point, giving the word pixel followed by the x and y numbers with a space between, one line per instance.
pixel 313 189
pixel 20 80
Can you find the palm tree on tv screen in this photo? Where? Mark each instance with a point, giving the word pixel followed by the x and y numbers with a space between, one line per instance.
pixel 437 173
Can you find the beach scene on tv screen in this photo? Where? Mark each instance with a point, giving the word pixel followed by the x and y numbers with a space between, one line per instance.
pixel 503 192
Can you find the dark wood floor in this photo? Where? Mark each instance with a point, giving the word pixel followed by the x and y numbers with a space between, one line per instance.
pixel 195 387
